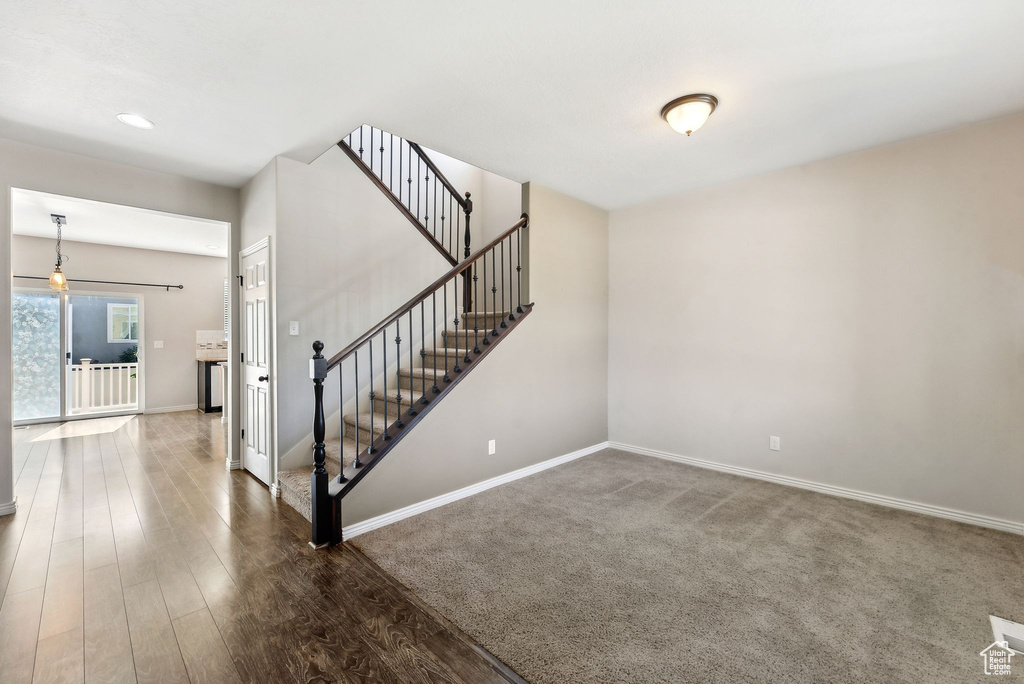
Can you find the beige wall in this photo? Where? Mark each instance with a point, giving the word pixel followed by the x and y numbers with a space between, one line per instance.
pixel 170 316
pixel 868 309
pixel 541 394
pixel 38 168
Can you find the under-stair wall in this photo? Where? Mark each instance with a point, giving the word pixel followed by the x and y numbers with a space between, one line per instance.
pixel 540 394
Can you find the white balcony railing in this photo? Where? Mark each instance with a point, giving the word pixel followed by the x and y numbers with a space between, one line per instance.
pixel 97 387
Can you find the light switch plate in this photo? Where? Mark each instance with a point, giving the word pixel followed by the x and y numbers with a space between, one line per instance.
pixel 158 344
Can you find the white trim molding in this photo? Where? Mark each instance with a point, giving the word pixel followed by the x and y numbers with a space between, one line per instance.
pixel 10 507
pixel 891 502
pixel 173 409
pixel 423 506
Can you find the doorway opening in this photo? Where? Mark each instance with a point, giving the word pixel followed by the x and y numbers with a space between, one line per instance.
pixel 145 312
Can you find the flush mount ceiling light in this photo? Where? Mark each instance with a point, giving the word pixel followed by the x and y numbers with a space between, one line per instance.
pixel 688 113
pixel 135 120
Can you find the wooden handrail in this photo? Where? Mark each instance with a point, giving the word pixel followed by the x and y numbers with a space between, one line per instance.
pixel 437 172
pixel 433 287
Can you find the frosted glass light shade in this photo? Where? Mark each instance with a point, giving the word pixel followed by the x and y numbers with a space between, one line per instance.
pixel 57 280
pixel 687 114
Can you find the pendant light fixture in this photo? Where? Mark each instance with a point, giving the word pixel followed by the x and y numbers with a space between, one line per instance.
pixel 58 281
pixel 688 113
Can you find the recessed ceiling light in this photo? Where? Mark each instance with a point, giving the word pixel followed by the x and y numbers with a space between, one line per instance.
pixel 688 113
pixel 135 121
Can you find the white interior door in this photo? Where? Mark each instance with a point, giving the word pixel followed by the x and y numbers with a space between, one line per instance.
pixel 256 339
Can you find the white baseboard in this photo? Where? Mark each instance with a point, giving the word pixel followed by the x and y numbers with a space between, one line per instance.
pixel 10 507
pixel 173 409
pixel 423 506
pixel 891 502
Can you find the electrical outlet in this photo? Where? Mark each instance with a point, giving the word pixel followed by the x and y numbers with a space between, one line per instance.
pixel 490 448
pixel 158 344
pixel 774 443
pixel 293 328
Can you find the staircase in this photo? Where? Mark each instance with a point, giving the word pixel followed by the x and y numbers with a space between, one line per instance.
pixel 390 377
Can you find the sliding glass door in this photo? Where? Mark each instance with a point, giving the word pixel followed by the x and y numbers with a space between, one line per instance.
pixel 76 355
pixel 36 356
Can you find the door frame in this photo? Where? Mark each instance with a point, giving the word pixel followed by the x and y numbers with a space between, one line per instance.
pixel 271 360
pixel 63 415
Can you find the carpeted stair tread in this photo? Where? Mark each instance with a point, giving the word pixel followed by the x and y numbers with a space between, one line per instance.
pixel 393 393
pixel 364 421
pixel 419 372
pixel 294 484
pixel 332 447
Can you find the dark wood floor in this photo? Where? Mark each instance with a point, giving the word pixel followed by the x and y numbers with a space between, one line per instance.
pixel 135 556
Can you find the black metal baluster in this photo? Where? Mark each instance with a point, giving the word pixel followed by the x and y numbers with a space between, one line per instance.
pixel 370 450
pixel 423 354
pixel 433 327
pixel 373 403
pixel 408 199
pixel 476 317
pixel 465 311
pixel 341 426
pixel 417 187
pixel 510 316
pixel 502 245
pixel 426 200
pixel 494 293
pixel 398 371
pixel 391 164
pixel 382 154
pixel 412 411
pixel 455 296
pixel 444 299
pixel 341 423
pixel 487 340
pixel 442 223
pixel 361 143
pixel 371 149
pixel 356 381
pixel 519 268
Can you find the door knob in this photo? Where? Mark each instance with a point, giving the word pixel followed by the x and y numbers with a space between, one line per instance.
pixel 264 378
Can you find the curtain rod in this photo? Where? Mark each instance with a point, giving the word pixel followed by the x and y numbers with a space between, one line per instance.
pixel 107 282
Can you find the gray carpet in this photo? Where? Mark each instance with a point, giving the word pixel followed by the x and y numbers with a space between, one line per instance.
pixel 625 568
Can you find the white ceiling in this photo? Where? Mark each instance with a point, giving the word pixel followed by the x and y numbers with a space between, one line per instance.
pixel 113 224
pixel 563 92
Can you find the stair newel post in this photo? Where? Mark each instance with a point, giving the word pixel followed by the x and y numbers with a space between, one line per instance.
pixel 322 506
pixel 467 299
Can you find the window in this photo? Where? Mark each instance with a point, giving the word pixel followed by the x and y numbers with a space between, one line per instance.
pixel 122 323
